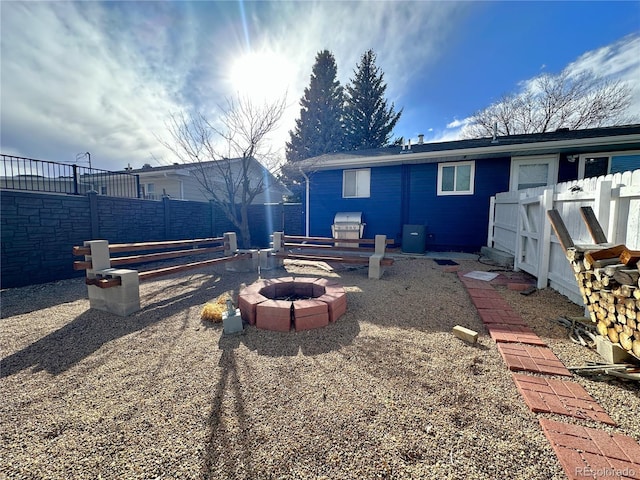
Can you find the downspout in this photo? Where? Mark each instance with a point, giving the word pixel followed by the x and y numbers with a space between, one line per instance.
pixel 306 210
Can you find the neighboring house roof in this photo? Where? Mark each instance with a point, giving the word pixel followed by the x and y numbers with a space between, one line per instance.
pixel 590 140
pixel 272 184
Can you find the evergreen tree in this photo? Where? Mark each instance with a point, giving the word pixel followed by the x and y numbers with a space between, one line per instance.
pixel 320 128
pixel 368 120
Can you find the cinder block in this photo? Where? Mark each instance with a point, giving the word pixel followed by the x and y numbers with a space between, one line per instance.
pixel 232 323
pixel 99 255
pixel 611 352
pixel 375 268
pixel 380 244
pixel 465 334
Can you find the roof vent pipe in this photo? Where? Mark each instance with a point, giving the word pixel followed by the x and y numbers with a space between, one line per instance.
pixel 420 138
pixel 409 145
pixel 495 133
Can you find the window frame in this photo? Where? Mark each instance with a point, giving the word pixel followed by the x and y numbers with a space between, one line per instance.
pixel 470 191
pixel 552 173
pixel 344 183
pixel 583 158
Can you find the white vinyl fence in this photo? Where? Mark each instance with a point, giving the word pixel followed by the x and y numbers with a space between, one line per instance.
pixel 518 224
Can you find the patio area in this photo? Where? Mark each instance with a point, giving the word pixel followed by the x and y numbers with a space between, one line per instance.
pixel 385 392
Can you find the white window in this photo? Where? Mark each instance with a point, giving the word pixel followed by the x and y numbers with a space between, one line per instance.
pixel 356 183
pixel 595 165
pixel 456 178
pixel 535 171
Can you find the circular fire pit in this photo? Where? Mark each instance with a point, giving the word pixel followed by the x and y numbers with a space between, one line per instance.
pixel 280 303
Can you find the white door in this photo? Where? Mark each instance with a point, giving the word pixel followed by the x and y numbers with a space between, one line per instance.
pixel 530 172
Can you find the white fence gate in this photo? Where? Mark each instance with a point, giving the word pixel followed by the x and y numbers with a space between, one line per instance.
pixel 518 224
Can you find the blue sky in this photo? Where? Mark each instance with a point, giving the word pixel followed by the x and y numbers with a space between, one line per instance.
pixel 104 77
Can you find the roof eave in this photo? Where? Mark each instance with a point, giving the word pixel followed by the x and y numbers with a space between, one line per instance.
pixel 473 152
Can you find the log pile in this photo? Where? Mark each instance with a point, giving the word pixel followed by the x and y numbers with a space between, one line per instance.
pixel 609 280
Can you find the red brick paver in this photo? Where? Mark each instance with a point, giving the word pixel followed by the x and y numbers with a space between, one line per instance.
pixel 561 397
pixel 514 334
pixel 589 453
pixel 505 317
pixel 531 358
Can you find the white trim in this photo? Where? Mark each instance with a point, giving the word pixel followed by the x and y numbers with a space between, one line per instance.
pixel 356 170
pixel 552 160
pixel 522 148
pixel 471 189
pixel 583 157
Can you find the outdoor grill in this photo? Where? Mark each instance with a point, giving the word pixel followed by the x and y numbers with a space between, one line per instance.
pixel 347 225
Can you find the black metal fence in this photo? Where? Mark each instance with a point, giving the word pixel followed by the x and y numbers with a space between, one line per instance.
pixel 28 174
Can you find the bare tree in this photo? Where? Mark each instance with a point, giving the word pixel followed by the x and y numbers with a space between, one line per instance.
pixel 550 102
pixel 233 179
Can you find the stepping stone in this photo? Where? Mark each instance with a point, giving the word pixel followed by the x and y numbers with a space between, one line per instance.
pixel 589 453
pixel 560 397
pixel 531 358
pixel 514 334
pixel 504 317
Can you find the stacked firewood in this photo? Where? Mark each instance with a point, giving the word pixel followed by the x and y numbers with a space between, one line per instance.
pixel 609 279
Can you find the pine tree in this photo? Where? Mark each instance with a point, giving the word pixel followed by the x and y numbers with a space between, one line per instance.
pixel 320 128
pixel 368 120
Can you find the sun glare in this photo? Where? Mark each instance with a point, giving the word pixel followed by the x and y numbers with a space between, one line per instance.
pixel 261 76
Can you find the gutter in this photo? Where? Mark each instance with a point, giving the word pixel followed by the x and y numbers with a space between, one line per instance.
pixel 513 149
pixel 306 210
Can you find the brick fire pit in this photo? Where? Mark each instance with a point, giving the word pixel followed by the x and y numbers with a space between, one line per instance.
pixel 280 303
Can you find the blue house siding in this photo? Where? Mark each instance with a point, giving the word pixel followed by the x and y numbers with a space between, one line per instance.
pixel 381 211
pixel 455 222
pixel 407 194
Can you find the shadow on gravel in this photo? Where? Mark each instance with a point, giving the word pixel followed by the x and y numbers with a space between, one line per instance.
pixel 41 296
pixel 63 348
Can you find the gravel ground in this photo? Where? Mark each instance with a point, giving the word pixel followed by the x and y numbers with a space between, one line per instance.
pixel 386 392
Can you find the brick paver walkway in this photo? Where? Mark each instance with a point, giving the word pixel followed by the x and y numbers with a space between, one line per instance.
pixel 582 452
pixel 589 453
pixel 514 334
pixel 531 358
pixel 561 397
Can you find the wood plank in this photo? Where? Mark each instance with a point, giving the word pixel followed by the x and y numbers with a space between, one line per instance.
pixel 134 247
pixel 81 265
pixel 150 257
pixel 593 225
pixel 604 254
pixel 630 257
pixel 560 229
pixel 148 275
pixel 386 261
pixel 299 239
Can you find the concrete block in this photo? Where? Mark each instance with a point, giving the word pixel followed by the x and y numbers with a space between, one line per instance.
pixel 245 264
pixel 230 243
pixel 267 259
pixel 611 352
pixel 381 244
pixel 278 241
pixel 232 323
pixel 122 300
pixel 465 334
pixel 375 268
pixel 99 255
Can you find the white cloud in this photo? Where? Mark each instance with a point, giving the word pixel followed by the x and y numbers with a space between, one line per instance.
pixel 103 77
